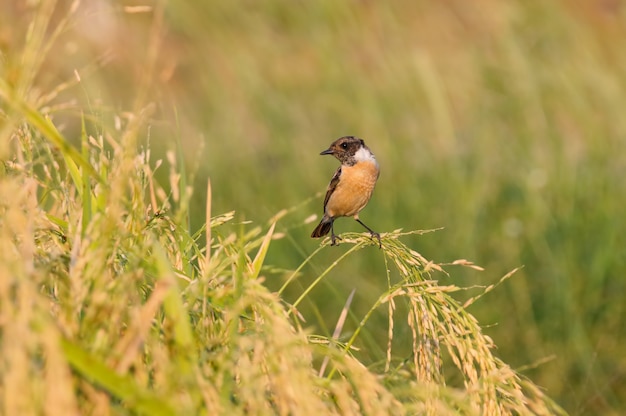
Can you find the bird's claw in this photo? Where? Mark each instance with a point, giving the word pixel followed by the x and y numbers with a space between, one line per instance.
pixel 380 243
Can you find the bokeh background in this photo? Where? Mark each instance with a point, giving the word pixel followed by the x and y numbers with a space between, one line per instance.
pixel 504 122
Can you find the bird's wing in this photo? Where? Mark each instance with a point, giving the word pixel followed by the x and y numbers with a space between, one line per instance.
pixel 331 186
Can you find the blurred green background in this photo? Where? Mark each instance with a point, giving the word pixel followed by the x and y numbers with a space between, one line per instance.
pixel 502 121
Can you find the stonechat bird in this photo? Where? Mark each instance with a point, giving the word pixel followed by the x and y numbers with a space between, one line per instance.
pixel 350 188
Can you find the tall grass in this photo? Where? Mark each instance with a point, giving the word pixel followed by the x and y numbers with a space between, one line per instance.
pixel 109 304
pixel 499 121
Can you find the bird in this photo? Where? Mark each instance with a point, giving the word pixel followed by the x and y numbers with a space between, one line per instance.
pixel 350 188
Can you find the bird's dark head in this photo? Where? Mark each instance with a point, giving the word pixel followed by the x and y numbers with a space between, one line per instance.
pixel 349 150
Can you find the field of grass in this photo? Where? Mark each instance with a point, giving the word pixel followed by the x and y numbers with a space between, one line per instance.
pixel 498 124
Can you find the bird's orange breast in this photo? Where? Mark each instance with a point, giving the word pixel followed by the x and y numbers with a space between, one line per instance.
pixel 353 190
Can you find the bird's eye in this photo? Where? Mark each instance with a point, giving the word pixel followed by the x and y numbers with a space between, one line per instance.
pixel 344 145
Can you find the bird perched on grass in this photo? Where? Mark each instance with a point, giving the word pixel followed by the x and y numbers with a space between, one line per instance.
pixel 351 187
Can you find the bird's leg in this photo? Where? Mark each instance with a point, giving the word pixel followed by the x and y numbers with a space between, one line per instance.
pixel 372 233
pixel 333 237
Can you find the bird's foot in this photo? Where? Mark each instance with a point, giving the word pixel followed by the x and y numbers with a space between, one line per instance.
pixel 375 234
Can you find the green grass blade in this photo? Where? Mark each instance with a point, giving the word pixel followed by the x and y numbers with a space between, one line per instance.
pixel 175 311
pixel 122 387
pixel 257 263
pixel 72 157
pixel 86 197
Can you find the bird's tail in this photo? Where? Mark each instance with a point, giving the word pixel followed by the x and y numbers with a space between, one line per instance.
pixel 323 227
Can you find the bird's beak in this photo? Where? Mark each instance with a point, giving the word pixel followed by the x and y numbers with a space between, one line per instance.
pixel 328 152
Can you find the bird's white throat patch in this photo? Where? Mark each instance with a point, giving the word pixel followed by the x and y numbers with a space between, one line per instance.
pixel 364 155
